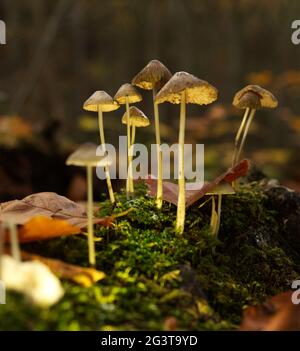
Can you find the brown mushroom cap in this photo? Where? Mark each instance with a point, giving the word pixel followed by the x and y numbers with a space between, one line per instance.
pixel 154 76
pixel 85 156
pixel 100 100
pixel 198 91
pixel 246 98
pixel 127 90
pixel 137 118
pixel 249 100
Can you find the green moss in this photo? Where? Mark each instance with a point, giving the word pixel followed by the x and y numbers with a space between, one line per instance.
pixel 152 273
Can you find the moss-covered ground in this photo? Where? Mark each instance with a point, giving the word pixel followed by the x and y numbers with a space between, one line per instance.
pixel 153 274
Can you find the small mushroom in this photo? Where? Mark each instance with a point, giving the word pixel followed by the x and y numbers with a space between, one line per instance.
pixel 184 88
pixel 126 95
pixel 34 279
pixel 219 191
pixel 85 156
pixel 14 241
pixel 137 119
pixel 250 98
pixel 153 77
pixel 101 102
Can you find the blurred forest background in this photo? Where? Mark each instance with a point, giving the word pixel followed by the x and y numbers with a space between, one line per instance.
pixel 59 52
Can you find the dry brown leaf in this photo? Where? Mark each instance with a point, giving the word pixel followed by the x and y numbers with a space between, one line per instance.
pixel 278 313
pixel 42 227
pixel 79 275
pixel 170 190
pixel 50 205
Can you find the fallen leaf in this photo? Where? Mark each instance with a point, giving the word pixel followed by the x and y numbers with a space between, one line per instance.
pixel 42 227
pixel 50 205
pixel 278 313
pixel 170 190
pixel 80 275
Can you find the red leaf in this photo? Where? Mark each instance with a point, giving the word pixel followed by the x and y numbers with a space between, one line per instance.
pixel 170 190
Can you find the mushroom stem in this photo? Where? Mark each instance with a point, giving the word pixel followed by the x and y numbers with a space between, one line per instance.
pixel 159 193
pixel 251 115
pixel 129 183
pixel 181 179
pixel 219 215
pixel 106 168
pixel 133 135
pixel 238 135
pixel 133 129
pixel 213 215
pixel 14 242
pixel 90 209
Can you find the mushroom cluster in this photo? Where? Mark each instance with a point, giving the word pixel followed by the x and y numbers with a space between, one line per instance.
pixel 181 88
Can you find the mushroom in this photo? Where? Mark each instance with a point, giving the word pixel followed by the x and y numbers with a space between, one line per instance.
pixel 250 98
pixel 101 102
pixel 126 95
pixel 14 242
pixel 215 219
pixel 137 119
pixel 153 77
pixel 34 279
pixel 85 156
pixel 184 88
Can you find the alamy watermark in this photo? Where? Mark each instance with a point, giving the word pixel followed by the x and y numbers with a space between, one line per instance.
pixel 2 32
pixel 144 161
pixel 296 33
pixel 2 293
pixel 296 293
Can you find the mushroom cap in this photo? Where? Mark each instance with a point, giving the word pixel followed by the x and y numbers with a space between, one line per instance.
pixel 198 91
pixel 85 156
pixel 222 189
pixel 243 99
pixel 127 90
pixel 100 100
pixel 137 118
pixel 249 100
pixel 154 76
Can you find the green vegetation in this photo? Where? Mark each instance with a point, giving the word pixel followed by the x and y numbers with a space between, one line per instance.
pixel 153 274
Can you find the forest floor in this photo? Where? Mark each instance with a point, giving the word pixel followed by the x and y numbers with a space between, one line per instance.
pixel 158 280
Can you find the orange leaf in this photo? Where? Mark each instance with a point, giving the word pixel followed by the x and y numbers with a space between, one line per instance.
pixel 42 227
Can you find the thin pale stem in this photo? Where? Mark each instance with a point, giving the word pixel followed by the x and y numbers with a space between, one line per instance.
pixel 106 169
pixel 219 214
pixel 238 135
pixel 181 179
pixel 14 241
pixel 159 193
pixel 252 113
pixel 90 208
pixel 213 210
pixel 133 135
pixel 129 182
